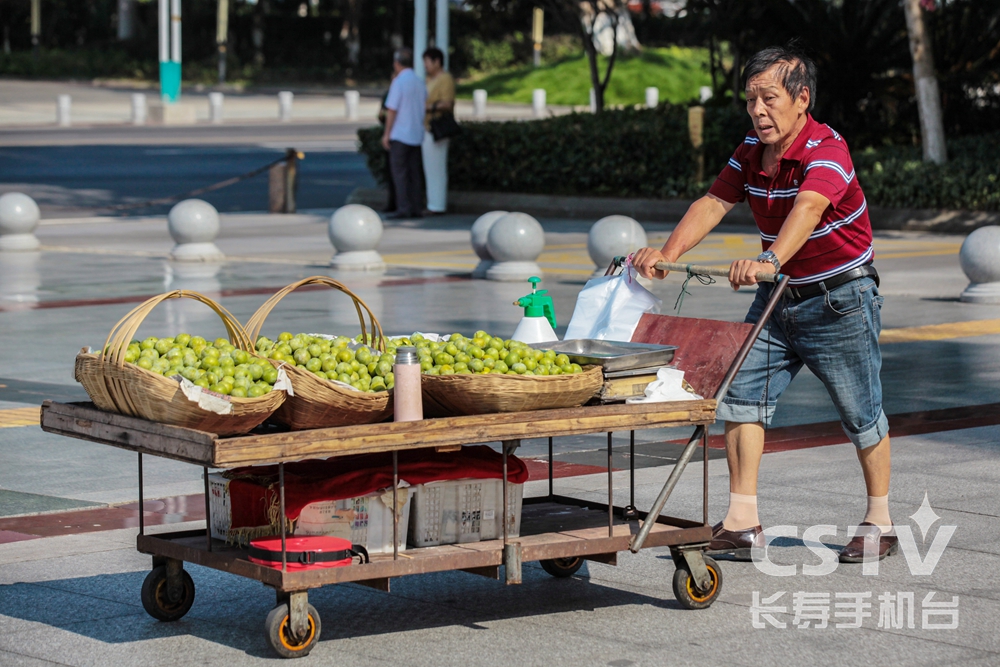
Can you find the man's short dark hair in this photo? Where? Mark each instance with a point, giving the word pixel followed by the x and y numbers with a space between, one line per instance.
pixel 435 55
pixel 796 70
pixel 404 57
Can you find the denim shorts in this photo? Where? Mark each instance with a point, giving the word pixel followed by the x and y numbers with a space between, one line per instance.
pixel 835 334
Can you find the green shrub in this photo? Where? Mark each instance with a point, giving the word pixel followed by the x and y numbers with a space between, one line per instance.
pixel 647 153
pixel 897 177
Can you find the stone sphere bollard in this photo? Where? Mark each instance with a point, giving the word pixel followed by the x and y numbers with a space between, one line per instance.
pixel 515 241
pixel 980 259
pixel 19 217
pixel 480 233
pixel 194 226
pixel 355 232
pixel 20 280
pixel 613 236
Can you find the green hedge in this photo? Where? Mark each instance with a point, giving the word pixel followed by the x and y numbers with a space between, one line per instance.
pixel 647 153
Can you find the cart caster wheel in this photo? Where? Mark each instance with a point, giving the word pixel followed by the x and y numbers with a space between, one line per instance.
pixel 562 567
pixel 687 592
pixel 156 600
pixel 279 632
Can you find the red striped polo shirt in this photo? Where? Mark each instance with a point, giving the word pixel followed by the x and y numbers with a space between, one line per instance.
pixel 818 161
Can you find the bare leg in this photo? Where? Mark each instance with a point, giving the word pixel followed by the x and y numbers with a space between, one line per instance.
pixel 744 447
pixel 875 464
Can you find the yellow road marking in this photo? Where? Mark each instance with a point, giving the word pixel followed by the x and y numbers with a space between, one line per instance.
pixel 19 417
pixel 941 331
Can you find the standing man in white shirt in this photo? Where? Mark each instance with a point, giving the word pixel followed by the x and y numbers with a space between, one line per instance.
pixel 404 133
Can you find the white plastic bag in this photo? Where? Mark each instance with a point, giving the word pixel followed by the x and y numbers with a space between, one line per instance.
pixel 609 308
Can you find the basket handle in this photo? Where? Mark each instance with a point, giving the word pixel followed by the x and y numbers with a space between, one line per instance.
pixel 117 342
pixel 256 321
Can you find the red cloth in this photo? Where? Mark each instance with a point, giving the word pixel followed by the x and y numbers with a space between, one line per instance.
pixel 253 490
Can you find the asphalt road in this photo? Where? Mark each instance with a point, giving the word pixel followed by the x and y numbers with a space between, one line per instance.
pixel 75 180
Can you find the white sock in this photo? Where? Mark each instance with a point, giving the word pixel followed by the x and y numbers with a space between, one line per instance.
pixel 878 513
pixel 742 512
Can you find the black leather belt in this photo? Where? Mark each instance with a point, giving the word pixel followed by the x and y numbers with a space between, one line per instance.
pixel 815 289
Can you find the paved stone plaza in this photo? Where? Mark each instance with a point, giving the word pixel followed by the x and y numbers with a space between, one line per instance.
pixel 70 575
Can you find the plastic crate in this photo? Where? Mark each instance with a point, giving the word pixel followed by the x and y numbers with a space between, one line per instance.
pixel 463 510
pixel 366 520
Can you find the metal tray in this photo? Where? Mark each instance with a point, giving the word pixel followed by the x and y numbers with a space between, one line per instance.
pixel 612 355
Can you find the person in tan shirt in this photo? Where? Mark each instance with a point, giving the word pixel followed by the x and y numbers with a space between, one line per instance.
pixel 440 100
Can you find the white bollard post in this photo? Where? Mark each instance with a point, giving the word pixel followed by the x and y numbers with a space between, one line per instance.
pixel 980 260
pixel 215 101
pixel 514 242
pixel 593 101
pixel 140 112
pixel 480 233
pixel 479 103
pixel 538 102
pixel 355 232
pixel 63 104
pixel 652 97
pixel 194 226
pixel 612 236
pixel 352 101
pixel 19 217
pixel 285 106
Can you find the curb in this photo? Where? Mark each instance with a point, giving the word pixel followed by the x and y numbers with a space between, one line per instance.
pixel 671 210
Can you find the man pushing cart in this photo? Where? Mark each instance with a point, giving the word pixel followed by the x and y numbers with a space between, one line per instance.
pixel 798 178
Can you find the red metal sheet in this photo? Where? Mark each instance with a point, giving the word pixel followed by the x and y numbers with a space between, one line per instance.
pixel 705 348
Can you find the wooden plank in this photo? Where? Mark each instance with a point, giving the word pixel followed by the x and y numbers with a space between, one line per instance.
pixel 130 433
pixel 322 443
pixel 192 550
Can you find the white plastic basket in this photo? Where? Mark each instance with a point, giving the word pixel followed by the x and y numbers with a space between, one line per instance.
pixel 365 520
pixel 463 510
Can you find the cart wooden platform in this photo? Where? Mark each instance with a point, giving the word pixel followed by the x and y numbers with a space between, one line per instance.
pixel 559 531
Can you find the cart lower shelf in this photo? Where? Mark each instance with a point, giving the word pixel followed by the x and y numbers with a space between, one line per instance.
pixel 551 528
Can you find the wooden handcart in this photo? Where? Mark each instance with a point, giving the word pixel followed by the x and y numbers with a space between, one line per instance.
pixel 559 531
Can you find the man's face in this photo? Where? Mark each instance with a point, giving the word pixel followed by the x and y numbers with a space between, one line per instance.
pixel 772 109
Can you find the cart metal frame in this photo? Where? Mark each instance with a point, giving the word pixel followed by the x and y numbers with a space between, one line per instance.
pixel 558 530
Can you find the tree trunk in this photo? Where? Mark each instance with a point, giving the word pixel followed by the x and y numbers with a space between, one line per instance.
pixel 126 20
pixel 928 97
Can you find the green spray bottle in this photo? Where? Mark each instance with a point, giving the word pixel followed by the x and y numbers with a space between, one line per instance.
pixel 539 321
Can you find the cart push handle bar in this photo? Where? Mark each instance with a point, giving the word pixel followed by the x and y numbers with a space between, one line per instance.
pixel 762 277
pixel 691 269
pixel 723 389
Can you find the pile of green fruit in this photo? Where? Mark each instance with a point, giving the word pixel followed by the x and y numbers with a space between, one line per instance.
pixel 217 366
pixel 484 354
pixel 333 358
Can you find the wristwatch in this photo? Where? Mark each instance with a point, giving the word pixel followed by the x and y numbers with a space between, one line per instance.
pixel 769 256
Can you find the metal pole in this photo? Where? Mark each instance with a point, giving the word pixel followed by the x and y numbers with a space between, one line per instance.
pixel 550 467
pixel 36 25
pixel 175 31
pixel 611 493
pixel 685 457
pixel 142 513
pixel 281 514
pixel 164 31
pixel 504 446
pixel 208 511
pixel 441 32
pixel 419 36
pixel 704 485
pixel 395 505
pixel 222 36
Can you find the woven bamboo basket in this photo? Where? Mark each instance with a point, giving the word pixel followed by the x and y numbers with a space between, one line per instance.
pixel 471 394
pixel 117 386
pixel 319 403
